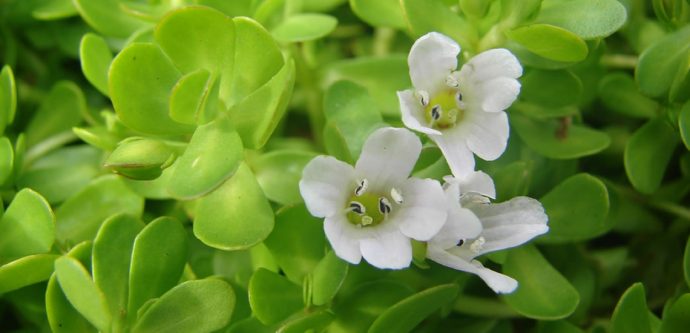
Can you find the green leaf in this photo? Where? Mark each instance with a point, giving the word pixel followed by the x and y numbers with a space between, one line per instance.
pixel 559 139
pixel 315 321
pixel 61 110
pixel 212 156
pixel 560 326
pixel 54 10
pixel 95 57
pixel 80 216
pixel 351 115
pixel 8 97
pixel 677 318
pixel 550 42
pixel 577 210
pixel 26 271
pixel 272 297
pixel 408 313
pixel 108 18
pixel 658 64
pixel 140 158
pixel 588 19
pixel 683 125
pixel 236 215
pixel 361 306
pixel 112 252
pixel 686 263
pixel 619 93
pixel 28 227
pixel 551 89
pixel 647 154
pixel 194 98
pixel 543 293
pixel 82 292
pixel 327 278
pixel 295 256
pixel 424 16
pixel 141 78
pixel 62 317
pixel 279 173
pixel 381 13
pixel 631 313
pixel 158 259
pixel 304 27
pixel 6 159
pixel 193 306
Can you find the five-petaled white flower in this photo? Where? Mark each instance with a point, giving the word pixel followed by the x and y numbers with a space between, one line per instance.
pixel 502 226
pixel 462 111
pixel 373 209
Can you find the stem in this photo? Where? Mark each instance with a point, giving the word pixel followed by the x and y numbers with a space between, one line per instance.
pixel 671 208
pixel 47 145
pixel 483 307
pixel 383 37
pixel 305 76
pixel 622 61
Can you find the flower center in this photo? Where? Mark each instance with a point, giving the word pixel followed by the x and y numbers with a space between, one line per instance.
pixel 367 209
pixel 445 109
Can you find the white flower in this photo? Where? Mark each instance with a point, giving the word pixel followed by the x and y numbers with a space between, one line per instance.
pixel 462 111
pixel 502 226
pixel 373 209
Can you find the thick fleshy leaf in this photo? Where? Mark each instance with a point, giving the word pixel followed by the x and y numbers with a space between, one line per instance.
pixel 659 63
pixel 26 271
pixel 194 98
pixel 62 317
pixel 559 140
pixel 631 313
pixel 108 18
pixel 234 216
pixel 61 110
pixel 619 93
pixel 28 227
pixel 54 10
pixel 408 313
pixel 589 19
pixel 310 321
pixel 279 173
pixel 327 278
pixel 551 89
pixel 272 297
pixel 360 307
pixel 95 57
pixel 140 158
pixel 80 216
pixel 648 153
pixel 8 97
pixel 296 257
pixel 158 259
pixel 677 318
pixel 304 27
pixel 212 156
pixel 437 17
pixel 141 78
pixel 577 210
pixel 193 306
pixel 550 42
pixel 82 292
pixel 381 13
pixel 6 159
pixel 543 293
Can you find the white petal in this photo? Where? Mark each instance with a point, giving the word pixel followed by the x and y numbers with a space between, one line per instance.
pixel 413 113
pixel 461 224
pixel 423 211
pixel 345 243
pixel 511 223
pixel 498 94
pixel 476 182
pixel 388 249
pixel 499 283
pixel 487 133
pixel 326 185
pixel 454 148
pixel 387 158
pixel 491 64
pixel 432 58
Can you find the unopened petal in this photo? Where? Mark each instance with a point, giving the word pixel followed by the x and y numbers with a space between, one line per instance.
pixel 423 211
pixel 326 185
pixel 432 58
pixel 387 158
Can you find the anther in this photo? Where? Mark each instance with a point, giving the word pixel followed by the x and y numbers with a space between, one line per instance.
pixel 436 112
pixel 357 207
pixel 451 81
pixel 396 196
pixel 460 242
pixel 361 187
pixel 478 245
pixel 458 96
pixel 423 97
pixel 367 220
pixel 384 205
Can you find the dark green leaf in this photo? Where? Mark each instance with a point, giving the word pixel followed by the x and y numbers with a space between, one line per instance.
pixel 272 297
pixel 631 313
pixel 647 154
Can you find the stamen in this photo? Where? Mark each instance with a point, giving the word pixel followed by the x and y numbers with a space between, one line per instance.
pixel 478 245
pixel 458 96
pixel 384 205
pixel 436 112
pixel 451 81
pixel 397 197
pixel 423 97
pixel 460 242
pixel 357 207
pixel 367 220
pixel 362 187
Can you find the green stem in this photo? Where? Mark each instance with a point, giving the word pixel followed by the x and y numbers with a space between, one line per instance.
pixel 622 61
pixel 48 145
pixel 383 38
pixel 483 307
pixel 309 81
pixel 671 208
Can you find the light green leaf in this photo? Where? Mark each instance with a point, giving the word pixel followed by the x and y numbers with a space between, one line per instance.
pixel 619 93
pixel 315 321
pixel 82 292
pixel 8 97
pixel 327 278
pixel 659 63
pixel 550 42
pixel 27 227
pixel 408 313
pixel 6 159
pixel 95 57
pixel 272 297
pixel 304 27
pixel 26 271
pixel 279 172
pixel 236 215
pixel 212 156
pixel 194 98
pixel 543 293
pixel 631 313
pixel 380 13
pixel 61 110
pixel 424 16
pixel 551 89
pixel 193 306
pixel 62 317
pixel 559 139
pixel 647 154
pixel 577 210
pixel 108 18
pixel 54 10
pixel 589 19
pixel 677 318
pixel 158 259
